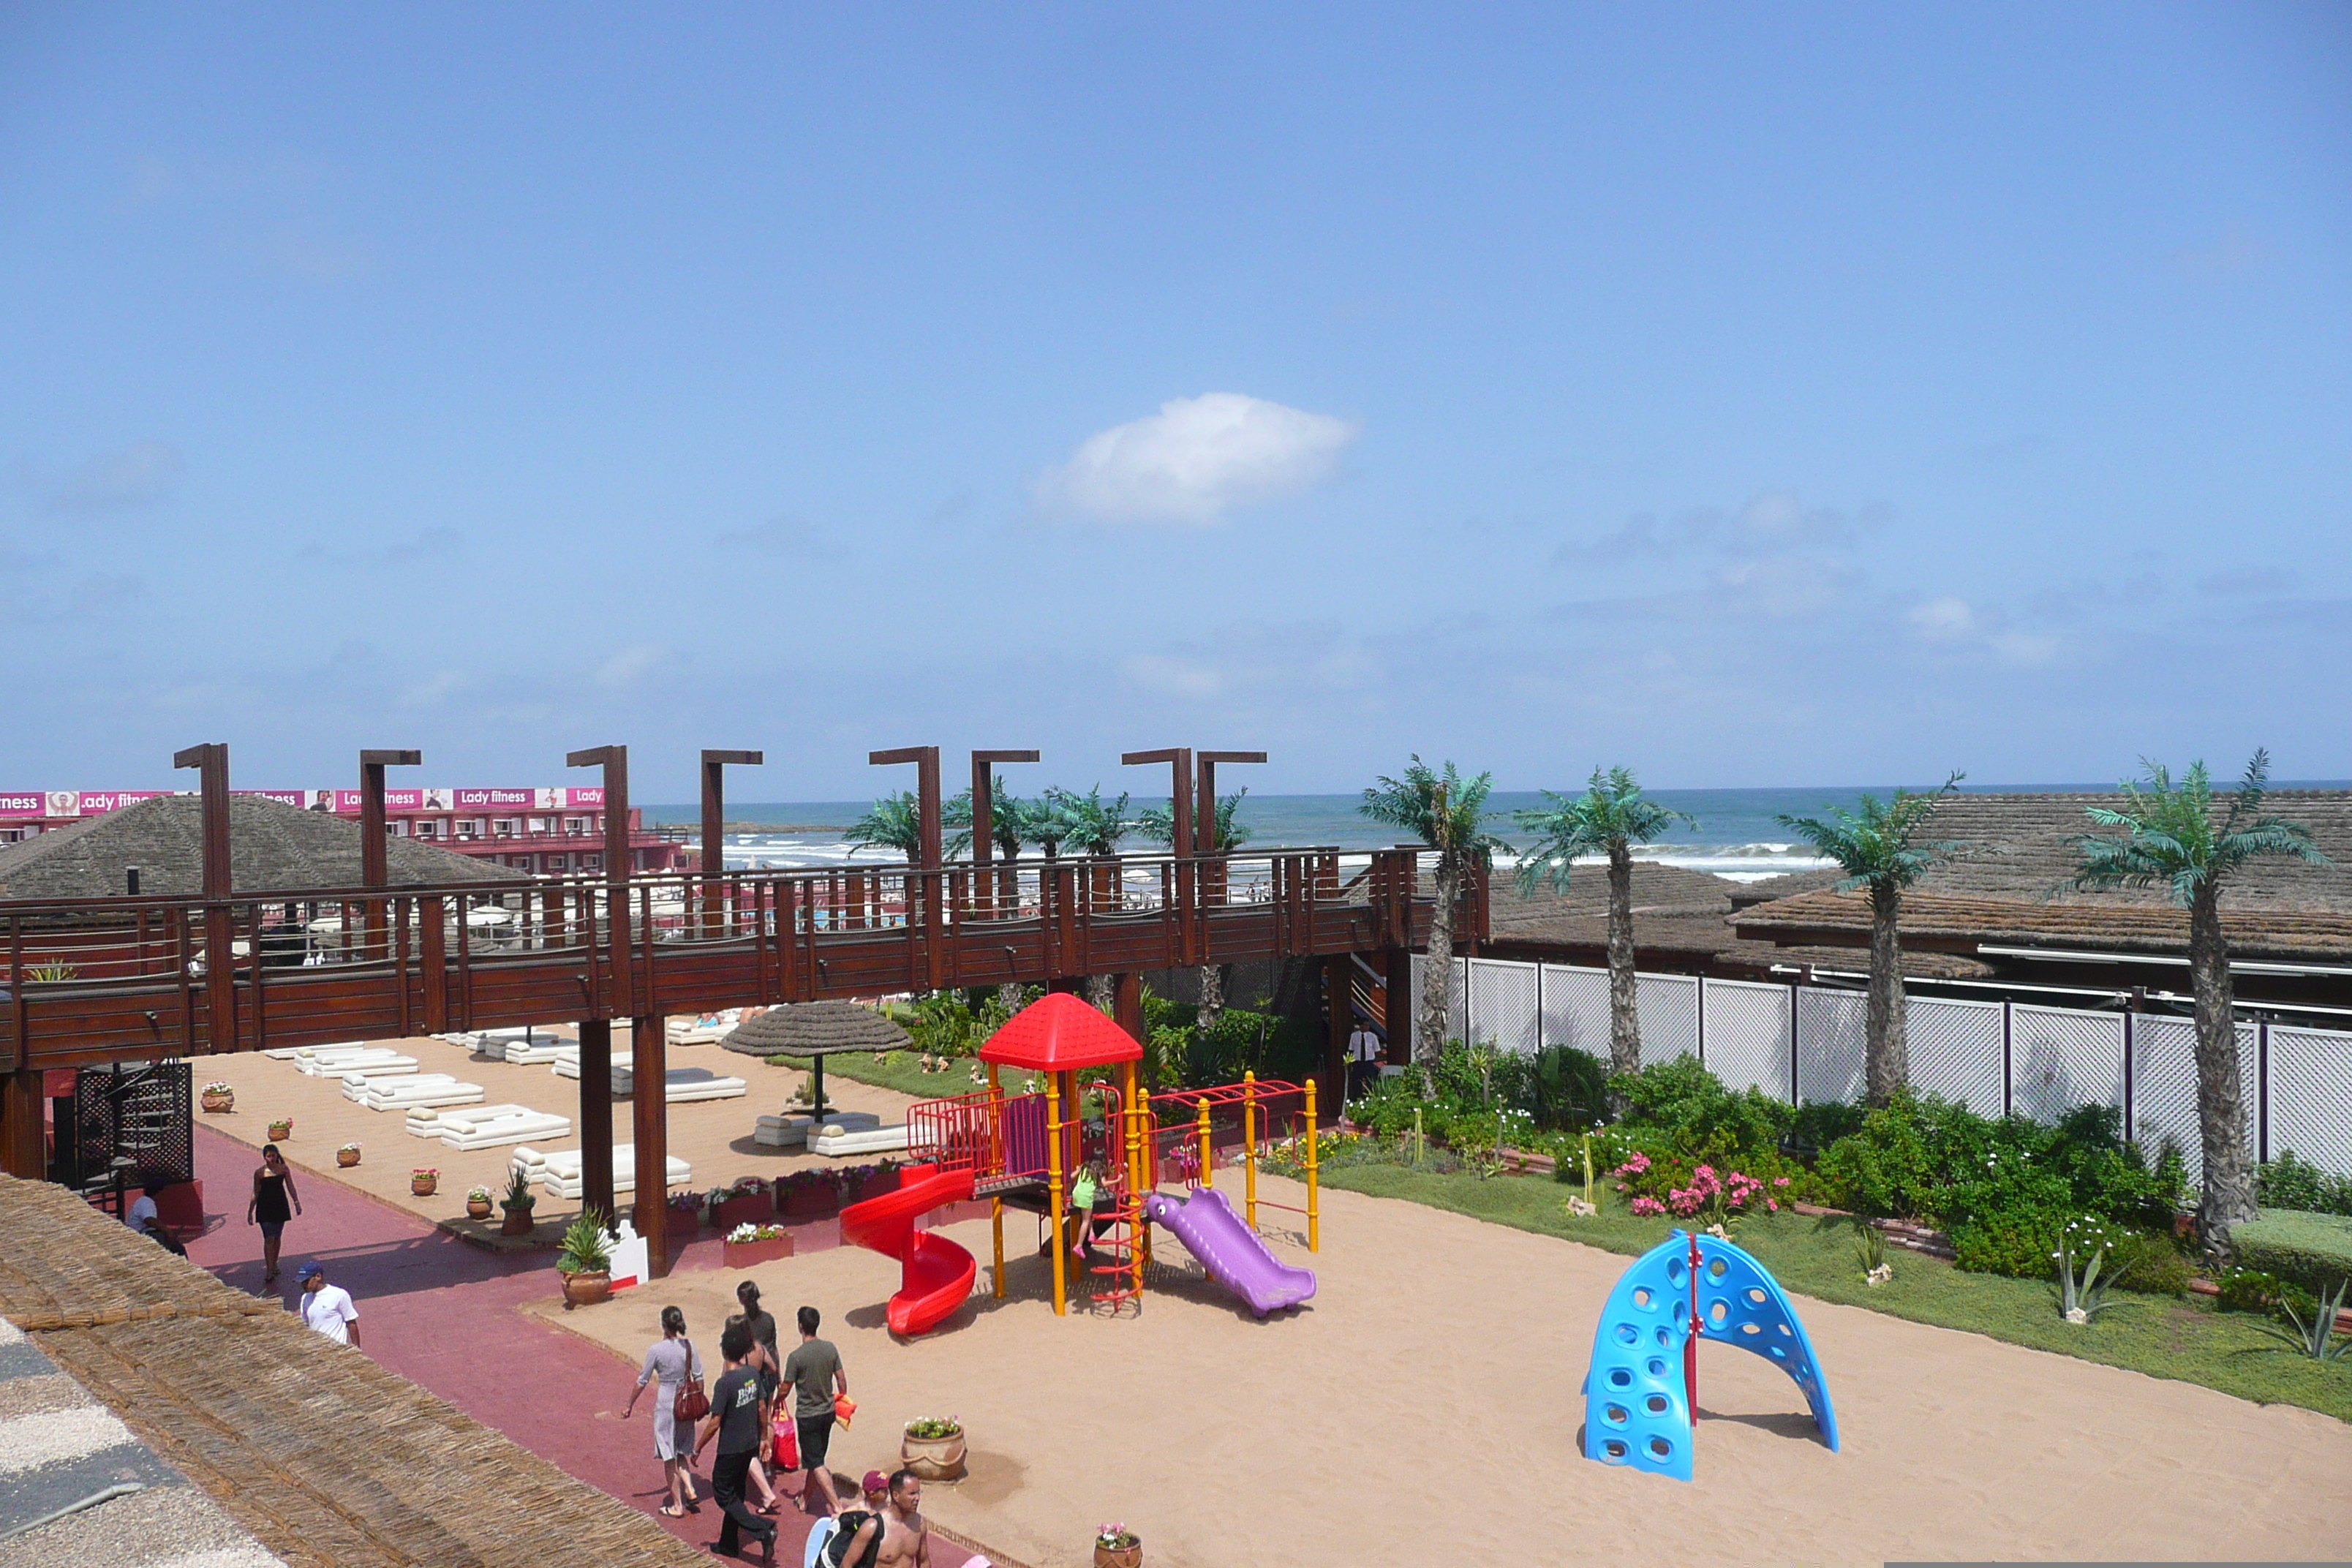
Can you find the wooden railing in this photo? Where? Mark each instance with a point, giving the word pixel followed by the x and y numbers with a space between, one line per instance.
pixel 90 981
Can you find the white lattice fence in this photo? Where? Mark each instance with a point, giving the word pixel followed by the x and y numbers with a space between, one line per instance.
pixel 1667 1006
pixel 1956 1051
pixel 1505 1006
pixel 2311 1096
pixel 1748 1029
pixel 2059 1058
pixel 2164 1086
pixel 1576 1008
pixel 1829 1045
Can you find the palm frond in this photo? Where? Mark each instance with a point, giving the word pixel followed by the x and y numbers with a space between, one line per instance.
pixel 1612 812
pixel 2170 837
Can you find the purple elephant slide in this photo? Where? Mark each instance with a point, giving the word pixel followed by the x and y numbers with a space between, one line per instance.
pixel 1232 1252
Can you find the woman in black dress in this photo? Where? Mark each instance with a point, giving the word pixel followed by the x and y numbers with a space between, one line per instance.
pixel 273 1188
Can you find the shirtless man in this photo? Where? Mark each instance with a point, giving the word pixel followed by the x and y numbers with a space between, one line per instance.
pixel 906 1539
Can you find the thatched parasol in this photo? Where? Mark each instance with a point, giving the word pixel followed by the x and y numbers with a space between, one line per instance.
pixel 816 1030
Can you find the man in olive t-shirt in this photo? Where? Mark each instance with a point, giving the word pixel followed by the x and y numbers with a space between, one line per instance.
pixel 814 1373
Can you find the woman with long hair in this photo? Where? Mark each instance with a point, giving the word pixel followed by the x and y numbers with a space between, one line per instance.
pixel 273 1189
pixel 668 1363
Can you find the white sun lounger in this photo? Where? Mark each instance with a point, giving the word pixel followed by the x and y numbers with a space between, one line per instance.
pixel 460 1133
pixel 836 1139
pixel 372 1065
pixel 783 1132
pixel 424 1120
pixel 530 1053
pixel 356 1085
pixel 624 1178
pixel 400 1096
pixel 681 1085
pixel 324 1053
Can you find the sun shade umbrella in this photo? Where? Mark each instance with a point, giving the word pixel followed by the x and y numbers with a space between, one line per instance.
pixel 815 1030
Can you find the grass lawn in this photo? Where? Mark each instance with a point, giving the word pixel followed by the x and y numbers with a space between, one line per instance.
pixel 902 1072
pixel 2185 1339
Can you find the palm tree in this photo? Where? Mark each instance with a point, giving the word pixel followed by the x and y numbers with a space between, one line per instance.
pixel 1159 826
pixel 1877 847
pixel 894 822
pixel 1608 818
pixel 2171 840
pixel 1093 826
pixel 1448 813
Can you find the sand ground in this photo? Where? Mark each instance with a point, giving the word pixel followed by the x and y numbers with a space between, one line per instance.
pixel 713 1136
pixel 1425 1407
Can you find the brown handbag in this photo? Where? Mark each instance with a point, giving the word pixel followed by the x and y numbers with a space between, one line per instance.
pixel 692 1403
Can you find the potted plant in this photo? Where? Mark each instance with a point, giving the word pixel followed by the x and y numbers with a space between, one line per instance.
pixel 748 1202
pixel 478 1202
pixel 933 1448
pixel 873 1180
pixel 220 1098
pixel 1116 1546
pixel 517 1205
pixel 586 1262
pixel 347 1156
pixel 808 1194
pixel 422 1181
pixel 749 1244
pixel 687 1210
pixel 281 1130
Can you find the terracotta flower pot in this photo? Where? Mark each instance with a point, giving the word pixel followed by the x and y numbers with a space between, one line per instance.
pixel 216 1104
pixel 933 1459
pixel 744 1254
pixel 424 1185
pixel 1119 1556
pixel 587 1289
pixel 347 1158
pixel 477 1208
pixel 517 1221
pixel 281 1131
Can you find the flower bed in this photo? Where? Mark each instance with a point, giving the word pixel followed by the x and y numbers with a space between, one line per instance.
pixel 749 1244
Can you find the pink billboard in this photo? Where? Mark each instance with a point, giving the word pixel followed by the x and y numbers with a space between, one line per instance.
pixel 21 802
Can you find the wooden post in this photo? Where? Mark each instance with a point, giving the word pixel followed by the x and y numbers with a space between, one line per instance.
pixel 1127 1005
pixel 984 817
pixel 1338 1022
pixel 714 841
pixel 24 1144
pixel 374 943
pixel 596 1115
pixel 1205 840
pixel 924 874
pixel 649 1121
pixel 220 958
pixel 1179 760
pixel 1399 1022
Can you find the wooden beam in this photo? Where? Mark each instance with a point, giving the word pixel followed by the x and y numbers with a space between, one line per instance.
pixel 374 870
pixel 649 1121
pixel 24 1143
pixel 983 817
pixel 1179 760
pixel 714 831
pixel 220 946
pixel 596 1114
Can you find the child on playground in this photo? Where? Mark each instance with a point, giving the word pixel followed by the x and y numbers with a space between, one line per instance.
pixel 1090 1195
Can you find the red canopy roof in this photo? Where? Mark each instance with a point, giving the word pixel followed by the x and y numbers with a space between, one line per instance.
pixel 1059 1033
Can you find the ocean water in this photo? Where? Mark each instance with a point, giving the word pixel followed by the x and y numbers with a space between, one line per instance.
pixel 1734 832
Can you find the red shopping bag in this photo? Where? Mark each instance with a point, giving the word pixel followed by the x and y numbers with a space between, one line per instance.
pixel 786 1437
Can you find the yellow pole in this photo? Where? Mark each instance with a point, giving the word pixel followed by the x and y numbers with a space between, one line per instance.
pixel 1147 1130
pixel 1314 1185
pixel 1054 1181
pixel 996 1160
pixel 1249 1147
pixel 1208 1176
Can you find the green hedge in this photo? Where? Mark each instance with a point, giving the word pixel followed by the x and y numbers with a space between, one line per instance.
pixel 2313 1250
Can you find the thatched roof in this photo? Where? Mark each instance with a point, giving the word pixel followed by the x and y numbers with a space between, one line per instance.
pixel 323 1456
pixel 2010 891
pixel 272 847
pixel 1681 921
pixel 815 1029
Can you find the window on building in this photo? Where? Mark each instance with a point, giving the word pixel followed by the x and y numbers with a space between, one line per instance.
pixel 507 826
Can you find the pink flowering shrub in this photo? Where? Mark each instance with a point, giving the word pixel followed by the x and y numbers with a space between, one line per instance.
pixel 1703 1190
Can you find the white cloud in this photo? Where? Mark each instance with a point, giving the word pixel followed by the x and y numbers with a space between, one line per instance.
pixel 1196 460
pixel 1948 619
pixel 631 662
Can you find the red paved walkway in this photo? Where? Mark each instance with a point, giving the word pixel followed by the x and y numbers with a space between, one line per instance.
pixel 443 1315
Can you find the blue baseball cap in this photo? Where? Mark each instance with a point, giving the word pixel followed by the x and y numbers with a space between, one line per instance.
pixel 307 1272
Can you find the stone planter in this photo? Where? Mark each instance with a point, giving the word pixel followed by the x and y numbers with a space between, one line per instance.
pixel 281 1131
pixel 220 1104
pixel 744 1254
pixel 1119 1556
pixel 812 1201
pixel 752 1208
pixel 347 1158
pixel 424 1184
pixel 517 1221
pixel 933 1459
pixel 587 1289
pixel 477 1208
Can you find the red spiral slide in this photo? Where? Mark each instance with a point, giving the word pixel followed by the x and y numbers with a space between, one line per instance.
pixel 935 1275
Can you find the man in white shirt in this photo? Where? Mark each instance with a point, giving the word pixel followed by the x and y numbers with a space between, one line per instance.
pixel 1364 1050
pixel 141 1216
pixel 329 1308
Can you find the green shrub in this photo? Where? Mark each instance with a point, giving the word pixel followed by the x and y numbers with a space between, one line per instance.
pixel 2310 1250
pixel 1822 1123
pixel 2149 1263
pixel 2287 1183
pixel 2017 1243
pixel 1901 1157
pixel 1688 1103
pixel 1562 1088
pixel 2250 1290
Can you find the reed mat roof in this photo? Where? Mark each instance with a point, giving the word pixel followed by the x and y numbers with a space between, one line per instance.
pixel 326 1458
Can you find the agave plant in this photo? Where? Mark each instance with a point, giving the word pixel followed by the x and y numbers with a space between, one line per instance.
pixel 1870 1252
pixel 2080 1296
pixel 586 1249
pixel 2317 1338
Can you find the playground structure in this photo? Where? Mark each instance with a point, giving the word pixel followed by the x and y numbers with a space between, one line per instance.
pixel 1025 1151
pixel 1686 1289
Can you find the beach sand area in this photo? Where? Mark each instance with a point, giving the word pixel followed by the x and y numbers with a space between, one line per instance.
pixel 1425 1407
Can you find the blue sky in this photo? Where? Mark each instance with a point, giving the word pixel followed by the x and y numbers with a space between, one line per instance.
pixel 1754 396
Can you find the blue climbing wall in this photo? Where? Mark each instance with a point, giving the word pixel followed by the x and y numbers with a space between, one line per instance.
pixel 1635 1408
